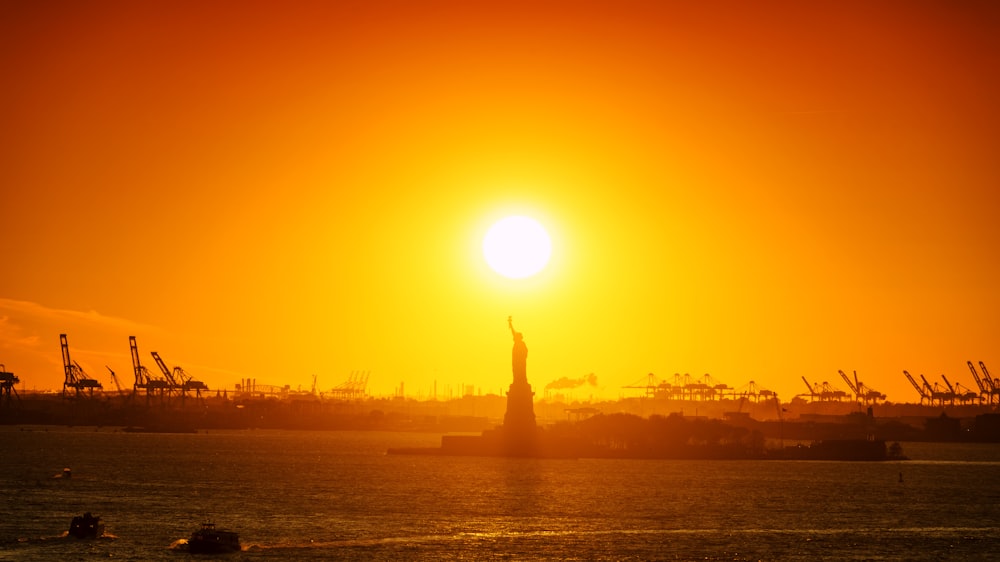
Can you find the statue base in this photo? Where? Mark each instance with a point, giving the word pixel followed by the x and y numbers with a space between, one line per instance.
pixel 519 436
pixel 519 420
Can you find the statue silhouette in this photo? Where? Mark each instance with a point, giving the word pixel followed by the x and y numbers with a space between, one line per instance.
pixel 519 420
pixel 519 355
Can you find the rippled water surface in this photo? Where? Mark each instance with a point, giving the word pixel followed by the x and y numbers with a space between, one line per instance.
pixel 337 495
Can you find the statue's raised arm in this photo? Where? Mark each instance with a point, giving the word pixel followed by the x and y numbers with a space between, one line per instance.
pixel 510 322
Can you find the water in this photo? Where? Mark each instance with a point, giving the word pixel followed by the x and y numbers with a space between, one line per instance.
pixel 336 495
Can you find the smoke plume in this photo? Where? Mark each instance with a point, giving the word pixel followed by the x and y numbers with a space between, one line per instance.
pixel 568 383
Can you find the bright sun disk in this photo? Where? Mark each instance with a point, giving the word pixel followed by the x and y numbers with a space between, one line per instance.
pixel 517 247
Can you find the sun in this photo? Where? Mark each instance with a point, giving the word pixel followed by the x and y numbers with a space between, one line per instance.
pixel 517 247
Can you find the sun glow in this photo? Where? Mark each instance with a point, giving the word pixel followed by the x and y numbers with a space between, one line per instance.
pixel 517 247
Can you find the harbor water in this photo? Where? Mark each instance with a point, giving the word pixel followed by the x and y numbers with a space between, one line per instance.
pixel 298 495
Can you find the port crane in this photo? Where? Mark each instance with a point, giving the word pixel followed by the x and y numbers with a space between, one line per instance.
pixel 188 383
pixel 937 393
pixel 850 385
pixel 932 393
pixel 869 393
pixel 179 380
pixel 763 392
pixel 985 391
pixel 172 385
pixel 691 388
pixel 988 387
pixel 713 388
pixel 649 387
pixel 353 387
pixel 923 394
pixel 675 390
pixel 833 393
pixel 966 395
pixel 114 379
pixel 993 383
pixel 700 389
pixel 679 387
pixel 962 394
pixel 813 393
pixel 951 389
pixel 75 377
pixel 143 379
pixel 862 393
pixel 7 382
pixel 824 392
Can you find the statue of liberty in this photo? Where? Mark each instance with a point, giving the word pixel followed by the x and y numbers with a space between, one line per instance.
pixel 519 355
pixel 519 420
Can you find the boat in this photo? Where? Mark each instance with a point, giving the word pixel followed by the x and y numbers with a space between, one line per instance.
pixel 86 526
pixel 209 540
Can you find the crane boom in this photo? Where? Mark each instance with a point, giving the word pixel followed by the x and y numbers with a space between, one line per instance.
pixel 992 388
pixel 927 385
pixel 114 379
pixel 178 379
pixel 948 384
pixel 867 393
pixel 851 385
pixel 140 375
pixel 163 368
pixel 986 376
pixel 916 386
pixel 809 386
pixel 932 392
pixel 966 395
pixel 181 376
pixel 975 376
pixel 67 362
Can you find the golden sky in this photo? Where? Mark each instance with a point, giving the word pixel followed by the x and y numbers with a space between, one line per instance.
pixel 275 190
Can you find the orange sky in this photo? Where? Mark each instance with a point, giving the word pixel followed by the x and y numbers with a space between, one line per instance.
pixel 277 190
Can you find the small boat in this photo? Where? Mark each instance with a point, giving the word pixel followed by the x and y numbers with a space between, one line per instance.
pixel 86 526
pixel 209 540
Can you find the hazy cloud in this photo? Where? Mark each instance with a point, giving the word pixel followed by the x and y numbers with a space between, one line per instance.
pixel 12 333
pixel 29 343
pixel 31 313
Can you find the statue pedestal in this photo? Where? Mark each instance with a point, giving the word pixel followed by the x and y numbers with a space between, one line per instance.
pixel 519 427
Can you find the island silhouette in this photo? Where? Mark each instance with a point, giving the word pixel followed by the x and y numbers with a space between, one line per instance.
pixel 519 436
pixel 629 436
